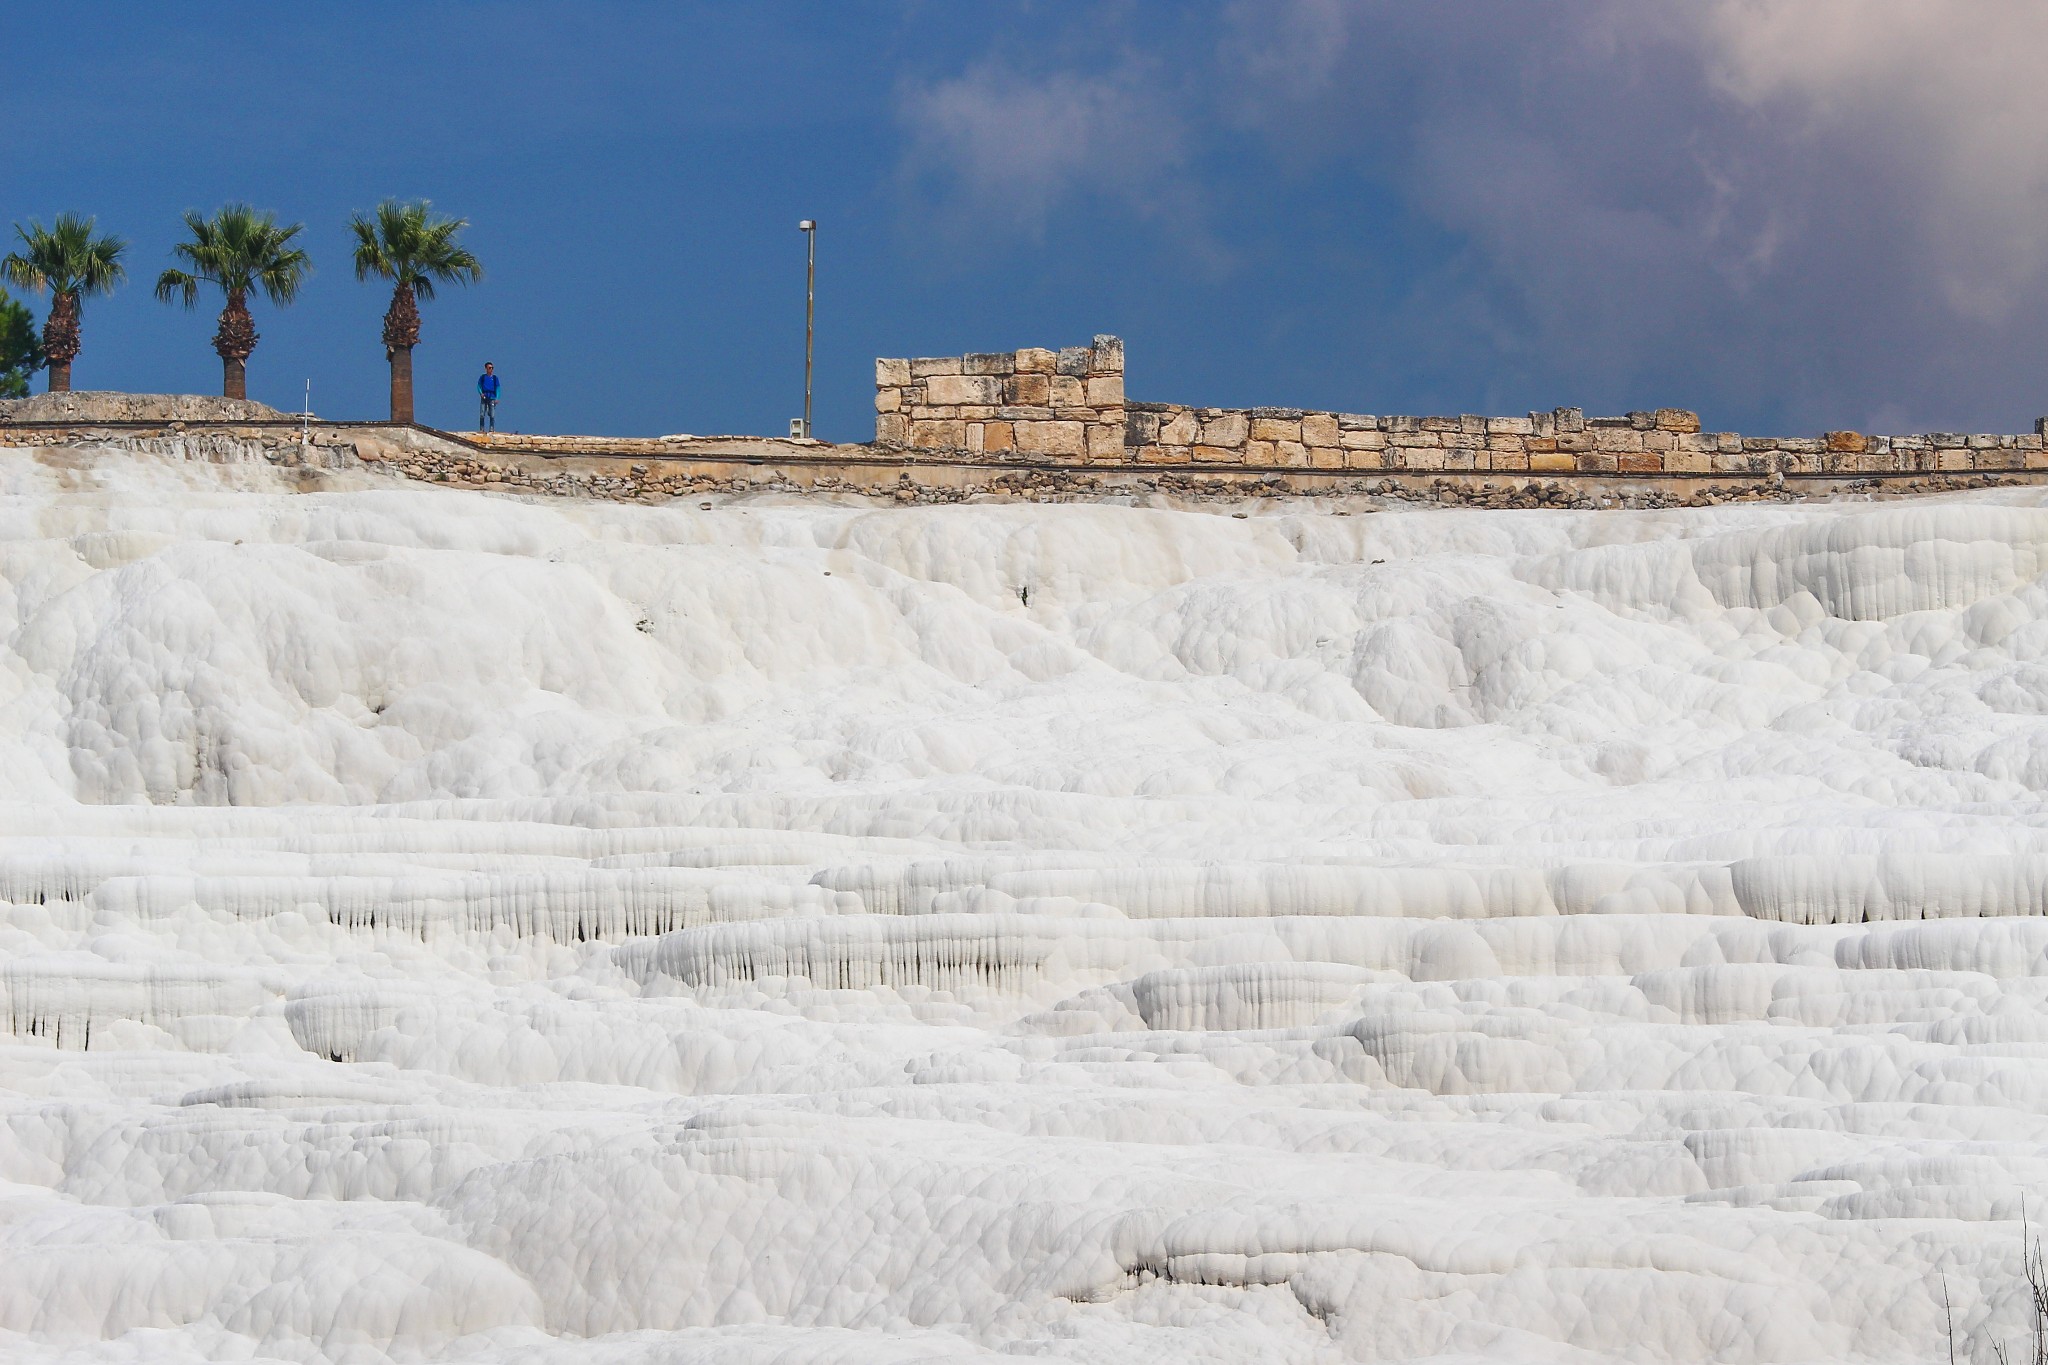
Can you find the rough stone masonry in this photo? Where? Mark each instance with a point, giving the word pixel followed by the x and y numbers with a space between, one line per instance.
pixel 1069 406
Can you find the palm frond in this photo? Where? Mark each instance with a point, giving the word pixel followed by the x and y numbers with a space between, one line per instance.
pixel 241 248
pixel 178 286
pixel 68 257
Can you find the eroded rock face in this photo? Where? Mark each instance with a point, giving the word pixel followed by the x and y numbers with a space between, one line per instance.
pixel 104 406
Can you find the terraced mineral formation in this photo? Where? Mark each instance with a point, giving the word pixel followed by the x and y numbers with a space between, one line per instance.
pixel 445 926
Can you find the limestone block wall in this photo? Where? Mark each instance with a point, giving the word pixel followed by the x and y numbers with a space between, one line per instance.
pixel 1029 404
pixel 1069 407
pixel 1666 442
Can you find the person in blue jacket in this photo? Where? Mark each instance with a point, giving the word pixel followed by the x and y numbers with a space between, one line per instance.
pixel 487 395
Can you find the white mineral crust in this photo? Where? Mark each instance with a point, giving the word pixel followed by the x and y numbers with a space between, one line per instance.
pixel 446 926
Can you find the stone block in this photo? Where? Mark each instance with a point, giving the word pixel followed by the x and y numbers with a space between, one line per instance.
pixel 988 362
pixel 1510 426
pixel 1618 440
pixel 1802 462
pixel 1472 422
pixel 888 400
pixel 1051 438
pixel 1568 419
pixel 974 437
pixel 1400 425
pixel 1688 462
pixel 892 428
pixel 1074 361
pixel 1069 392
pixel 1725 462
pixel 1760 445
pixel 998 436
pixel 1982 442
pixel 1292 454
pixel 1325 457
pixel 1542 424
pixel 1226 429
pixel 1541 445
pixel 1105 391
pixel 1599 462
pixel 928 366
pixel 1420 457
pixel 1644 462
pixel 891 373
pixel 938 435
pixel 1357 421
pixel 1948 440
pixel 1461 457
pixel 1025 413
pixel 1439 424
pixel 1364 459
pixel 1515 460
pixel 1461 440
pixel 1029 390
pixel 975 412
pixel 1106 355
pixel 1574 441
pixel 2036 459
pixel 1362 440
pixel 1164 454
pixel 1504 444
pixel 1845 442
pixel 1180 429
pixel 1216 454
pixel 1553 463
pixel 1257 452
pixel 1659 441
pixel 1800 445
pixel 1036 360
pixel 1278 414
pixel 1275 429
pixel 944 389
pixel 934 412
pixel 1676 419
pixel 1142 428
pixel 1319 429
pixel 1106 441
pixel 2032 442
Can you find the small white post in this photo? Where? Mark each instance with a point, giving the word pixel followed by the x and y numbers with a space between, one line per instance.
pixel 306 419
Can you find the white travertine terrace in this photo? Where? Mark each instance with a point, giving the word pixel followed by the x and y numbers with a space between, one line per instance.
pixel 445 926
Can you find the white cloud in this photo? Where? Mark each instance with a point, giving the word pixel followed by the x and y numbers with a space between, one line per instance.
pixel 1010 147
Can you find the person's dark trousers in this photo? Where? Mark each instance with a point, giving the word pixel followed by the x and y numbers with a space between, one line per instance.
pixel 487 414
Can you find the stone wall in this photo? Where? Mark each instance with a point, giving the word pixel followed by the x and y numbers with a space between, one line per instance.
pixel 1069 407
pixel 1664 443
pixel 1028 404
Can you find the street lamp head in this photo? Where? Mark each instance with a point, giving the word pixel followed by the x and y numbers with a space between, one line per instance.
pixel 807 225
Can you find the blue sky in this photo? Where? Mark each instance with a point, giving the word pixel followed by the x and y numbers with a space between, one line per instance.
pixel 1788 214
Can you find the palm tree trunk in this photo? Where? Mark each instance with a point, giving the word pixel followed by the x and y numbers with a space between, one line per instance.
pixel 60 339
pixel 401 334
pixel 233 342
pixel 401 384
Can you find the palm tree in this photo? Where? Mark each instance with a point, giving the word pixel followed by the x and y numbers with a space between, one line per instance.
pixel 408 244
pixel 238 249
pixel 74 264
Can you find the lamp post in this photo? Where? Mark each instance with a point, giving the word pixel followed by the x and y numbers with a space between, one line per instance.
pixel 809 228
